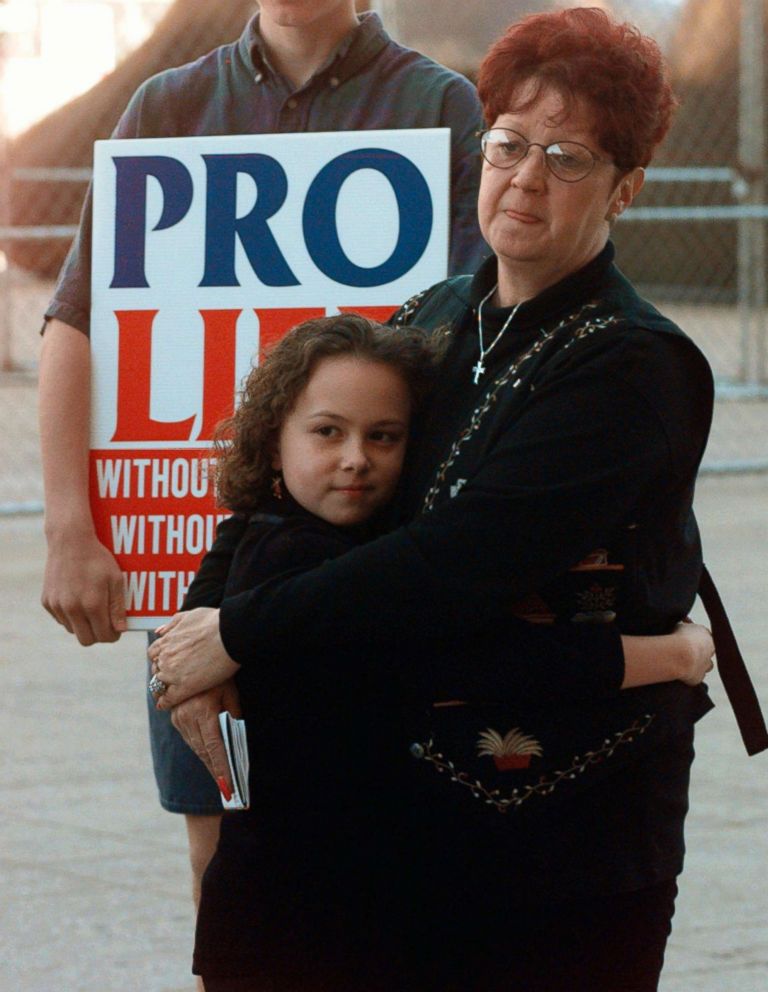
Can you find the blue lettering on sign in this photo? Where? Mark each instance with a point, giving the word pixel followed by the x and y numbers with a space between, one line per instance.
pixel 414 204
pixel 131 210
pixel 223 227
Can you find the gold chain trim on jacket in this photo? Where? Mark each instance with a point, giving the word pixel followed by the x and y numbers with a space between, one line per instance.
pixel 545 786
pixel 409 308
pixel 476 419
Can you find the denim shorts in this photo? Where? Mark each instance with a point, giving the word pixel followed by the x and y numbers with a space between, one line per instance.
pixel 184 783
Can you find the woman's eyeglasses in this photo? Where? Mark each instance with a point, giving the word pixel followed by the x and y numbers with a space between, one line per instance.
pixel 569 161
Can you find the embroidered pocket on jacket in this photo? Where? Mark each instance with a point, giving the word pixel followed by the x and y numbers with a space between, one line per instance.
pixel 514 762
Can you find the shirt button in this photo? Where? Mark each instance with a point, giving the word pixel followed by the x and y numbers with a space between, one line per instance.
pixel 292 104
pixel 334 81
pixel 258 77
pixel 417 750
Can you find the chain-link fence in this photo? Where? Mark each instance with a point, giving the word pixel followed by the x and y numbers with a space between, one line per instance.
pixel 694 242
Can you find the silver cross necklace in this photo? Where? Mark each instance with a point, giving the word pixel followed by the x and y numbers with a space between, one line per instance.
pixel 479 369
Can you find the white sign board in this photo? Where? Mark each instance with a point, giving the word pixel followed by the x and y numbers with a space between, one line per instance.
pixel 205 251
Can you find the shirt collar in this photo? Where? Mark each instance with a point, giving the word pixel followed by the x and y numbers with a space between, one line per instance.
pixel 355 51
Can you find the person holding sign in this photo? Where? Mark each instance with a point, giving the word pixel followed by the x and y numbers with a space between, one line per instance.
pixel 307 65
pixel 551 476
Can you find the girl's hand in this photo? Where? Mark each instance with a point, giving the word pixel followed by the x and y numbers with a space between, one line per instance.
pixel 189 656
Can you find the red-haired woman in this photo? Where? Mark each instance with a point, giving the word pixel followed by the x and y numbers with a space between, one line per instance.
pixel 551 476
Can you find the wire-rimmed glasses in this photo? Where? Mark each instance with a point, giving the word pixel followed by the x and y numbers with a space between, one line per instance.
pixel 569 161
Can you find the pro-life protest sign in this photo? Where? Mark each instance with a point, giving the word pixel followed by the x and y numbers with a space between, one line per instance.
pixel 205 251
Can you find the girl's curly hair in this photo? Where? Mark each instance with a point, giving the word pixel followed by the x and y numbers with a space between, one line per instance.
pixel 245 442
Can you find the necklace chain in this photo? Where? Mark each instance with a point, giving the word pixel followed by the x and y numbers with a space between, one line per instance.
pixel 479 368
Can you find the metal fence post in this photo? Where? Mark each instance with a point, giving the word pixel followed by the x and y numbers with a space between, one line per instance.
pixel 752 148
pixel 6 356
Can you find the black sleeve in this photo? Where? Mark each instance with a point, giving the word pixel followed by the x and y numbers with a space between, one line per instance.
pixel 207 588
pixel 293 547
pixel 290 547
pixel 513 662
pixel 593 443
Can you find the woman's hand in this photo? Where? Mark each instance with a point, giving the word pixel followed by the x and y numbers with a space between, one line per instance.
pixel 189 657
pixel 197 720
pixel 685 655
pixel 697 650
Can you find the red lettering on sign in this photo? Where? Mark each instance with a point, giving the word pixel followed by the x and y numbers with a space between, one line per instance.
pixel 134 366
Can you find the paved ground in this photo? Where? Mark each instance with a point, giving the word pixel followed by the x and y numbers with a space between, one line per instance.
pixel 94 878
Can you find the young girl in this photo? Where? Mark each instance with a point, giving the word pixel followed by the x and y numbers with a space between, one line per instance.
pixel 311 457
pixel 304 891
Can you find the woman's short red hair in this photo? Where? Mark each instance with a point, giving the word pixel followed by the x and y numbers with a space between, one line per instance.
pixel 584 54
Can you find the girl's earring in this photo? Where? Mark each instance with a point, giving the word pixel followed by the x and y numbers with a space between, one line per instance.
pixel 277 485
